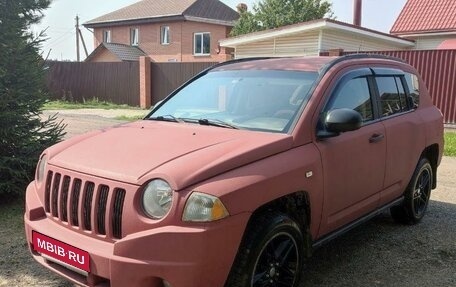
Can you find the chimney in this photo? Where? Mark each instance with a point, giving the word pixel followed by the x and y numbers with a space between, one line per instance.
pixel 241 8
pixel 357 12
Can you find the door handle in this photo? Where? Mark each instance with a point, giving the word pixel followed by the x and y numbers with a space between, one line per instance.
pixel 375 138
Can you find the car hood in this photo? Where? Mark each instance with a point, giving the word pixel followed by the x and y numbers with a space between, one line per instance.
pixel 183 154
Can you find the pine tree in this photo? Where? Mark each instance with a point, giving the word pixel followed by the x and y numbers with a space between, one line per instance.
pixel 269 14
pixel 23 134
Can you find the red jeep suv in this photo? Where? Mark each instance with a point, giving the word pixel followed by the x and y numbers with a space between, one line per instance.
pixel 238 175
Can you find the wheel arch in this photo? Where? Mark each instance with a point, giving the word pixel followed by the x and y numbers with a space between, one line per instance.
pixel 297 206
pixel 431 153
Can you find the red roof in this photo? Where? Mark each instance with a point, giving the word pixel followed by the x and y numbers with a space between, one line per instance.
pixel 425 16
pixel 449 44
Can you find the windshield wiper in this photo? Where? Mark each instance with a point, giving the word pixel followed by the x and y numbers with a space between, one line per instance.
pixel 216 123
pixel 166 118
pixel 203 122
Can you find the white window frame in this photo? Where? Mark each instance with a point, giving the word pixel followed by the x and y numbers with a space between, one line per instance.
pixel 134 36
pixel 107 36
pixel 201 34
pixel 165 35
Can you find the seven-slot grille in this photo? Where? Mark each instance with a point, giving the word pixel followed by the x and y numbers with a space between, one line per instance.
pixel 96 208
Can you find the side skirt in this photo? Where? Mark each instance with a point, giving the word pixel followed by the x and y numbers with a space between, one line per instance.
pixel 325 239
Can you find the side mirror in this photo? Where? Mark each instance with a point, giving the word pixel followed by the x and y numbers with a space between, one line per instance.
pixel 343 120
pixel 340 120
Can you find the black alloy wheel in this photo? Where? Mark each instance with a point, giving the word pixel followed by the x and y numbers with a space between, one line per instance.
pixel 271 253
pixel 278 262
pixel 422 192
pixel 416 196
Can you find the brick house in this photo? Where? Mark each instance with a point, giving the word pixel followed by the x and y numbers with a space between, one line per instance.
pixel 165 30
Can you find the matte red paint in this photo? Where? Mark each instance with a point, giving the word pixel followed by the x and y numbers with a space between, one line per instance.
pixel 244 169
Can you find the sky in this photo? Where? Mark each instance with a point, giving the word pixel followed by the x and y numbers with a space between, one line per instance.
pixel 59 20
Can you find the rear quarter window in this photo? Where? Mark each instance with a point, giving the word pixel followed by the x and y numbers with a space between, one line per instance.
pixel 414 88
pixel 392 95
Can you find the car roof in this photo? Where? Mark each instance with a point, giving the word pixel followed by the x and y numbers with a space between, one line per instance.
pixel 312 64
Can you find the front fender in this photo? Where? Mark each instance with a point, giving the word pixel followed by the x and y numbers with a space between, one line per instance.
pixel 245 189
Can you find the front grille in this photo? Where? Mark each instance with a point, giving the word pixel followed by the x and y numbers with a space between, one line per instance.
pixel 88 205
pixel 55 194
pixel 117 214
pixel 102 201
pixel 64 199
pixel 84 204
pixel 47 194
pixel 77 183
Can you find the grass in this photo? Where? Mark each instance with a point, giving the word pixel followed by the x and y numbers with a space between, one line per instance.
pixel 87 104
pixel 130 118
pixel 450 144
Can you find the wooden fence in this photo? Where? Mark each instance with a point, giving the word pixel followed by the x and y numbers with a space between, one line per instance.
pixel 167 77
pixel 113 82
pixel 118 83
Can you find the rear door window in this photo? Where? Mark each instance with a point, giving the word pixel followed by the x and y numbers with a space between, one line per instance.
pixel 392 95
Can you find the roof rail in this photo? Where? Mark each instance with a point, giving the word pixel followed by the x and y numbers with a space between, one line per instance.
pixel 340 59
pixel 363 56
pixel 373 55
pixel 324 69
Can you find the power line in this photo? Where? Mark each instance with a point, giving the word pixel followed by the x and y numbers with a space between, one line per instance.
pixel 59 39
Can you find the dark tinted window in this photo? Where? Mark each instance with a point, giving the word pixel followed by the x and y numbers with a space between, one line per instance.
pixel 392 95
pixel 414 88
pixel 354 95
pixel 402 95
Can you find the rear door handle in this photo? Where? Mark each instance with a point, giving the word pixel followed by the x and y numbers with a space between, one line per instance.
pixel 375 138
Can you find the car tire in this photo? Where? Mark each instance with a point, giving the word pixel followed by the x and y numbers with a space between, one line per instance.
pixel 271 253
pixel 416 196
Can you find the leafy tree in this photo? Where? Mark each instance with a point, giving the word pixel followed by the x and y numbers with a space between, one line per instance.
pixel 269 14
pixel 23 134
pixel 246 23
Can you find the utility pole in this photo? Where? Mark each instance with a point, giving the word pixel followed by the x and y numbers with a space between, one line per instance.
pixel 83 43
pixel 78 56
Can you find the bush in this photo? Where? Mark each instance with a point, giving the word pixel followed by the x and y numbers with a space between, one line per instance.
pixel 23 134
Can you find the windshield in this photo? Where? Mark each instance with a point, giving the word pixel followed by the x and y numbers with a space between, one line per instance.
pixel 245 99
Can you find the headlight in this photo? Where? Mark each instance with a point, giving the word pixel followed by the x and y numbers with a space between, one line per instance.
pixel 157 198
pixel 41 168
pixel 202 207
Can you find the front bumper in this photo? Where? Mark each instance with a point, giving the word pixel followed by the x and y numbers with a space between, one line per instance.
pixel 199 256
